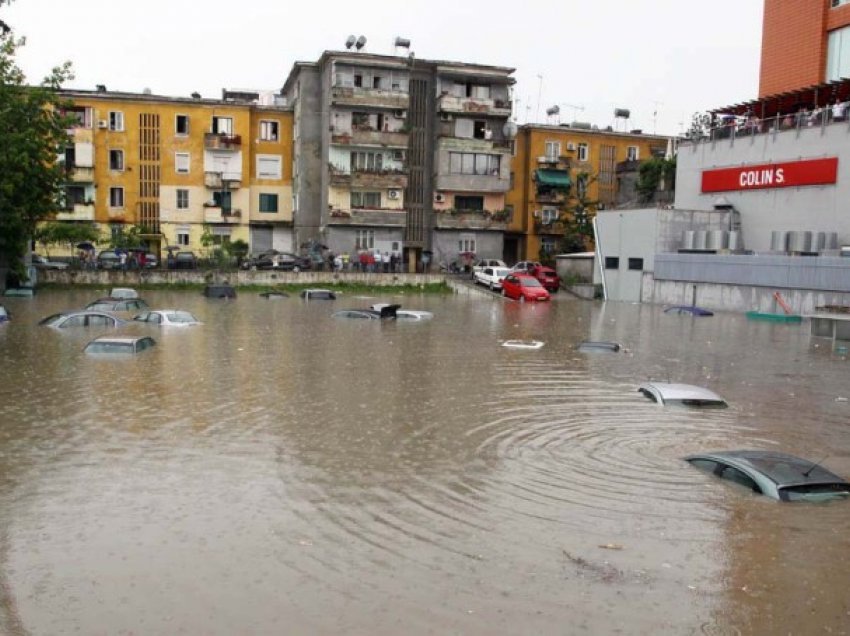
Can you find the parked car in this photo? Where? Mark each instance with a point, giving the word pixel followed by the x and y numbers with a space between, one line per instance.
pixel 665 393
pixel 123 292
pixel 185 260
pixel 5 316
pixel 40 262
pixel 273 259
pixel 117 304
pixel 547 276
pixel 480 264
pixel 115 345
pixel 490 276
pixel 523 287
pixel 168 318
pixel 108 259
pixel 146 260
pixel 524 266
pixel 777 475
pixel 692 310
pixel 66 319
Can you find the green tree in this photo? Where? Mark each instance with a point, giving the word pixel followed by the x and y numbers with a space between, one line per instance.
pixel 580 211
pixel 653 173
pixel 32 132
pixel 70 234
pixel 128 237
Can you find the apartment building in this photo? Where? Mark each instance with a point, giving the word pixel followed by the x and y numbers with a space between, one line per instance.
pixel 804 43
pixel 181 168
pixel 399 154
pixel 556 166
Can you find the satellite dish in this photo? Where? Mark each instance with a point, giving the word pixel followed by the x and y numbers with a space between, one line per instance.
pixel 509 130
pixel 349 42
pixel 361 42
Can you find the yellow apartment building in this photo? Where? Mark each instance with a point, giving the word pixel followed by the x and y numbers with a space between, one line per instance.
pixel 181 167
pixel 551 167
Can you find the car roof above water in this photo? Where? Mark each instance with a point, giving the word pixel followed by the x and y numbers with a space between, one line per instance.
pixel 688 394
pixel 783 469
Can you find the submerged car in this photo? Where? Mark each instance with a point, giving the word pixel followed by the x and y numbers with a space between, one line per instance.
pixel 317 294
pixel 666 393
pixel 777 475
pixel 599 346
pixel 4 315
pixel 692 310
pixel 386 312
pixel 123 292
pixel 404 314
pixel 168 318
pixel 492 277
pixel 128 345
pixel 221 290
pixel 523 287
pixel 117 304
pixel 66 319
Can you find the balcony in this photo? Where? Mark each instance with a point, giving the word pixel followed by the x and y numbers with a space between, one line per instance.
pixel 357 96
pixel 474 105
pixel 551 197
pixel 217 214
pixel 80 175
pixel 218 141
pixel 223 180
pixel 472 183
pixel 550 227
pixel 367 137
pixel 79 212
pixel 561 162
pixel 381 217
pixel 364 179
pixel 460 220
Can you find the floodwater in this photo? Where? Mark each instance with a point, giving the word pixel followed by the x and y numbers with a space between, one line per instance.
pixel 278 471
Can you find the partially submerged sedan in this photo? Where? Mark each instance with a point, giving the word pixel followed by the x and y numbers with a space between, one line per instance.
pixel 665 393
pixel 117 304
pixel 777 475
pixel 386 312
pixel 121 346
pixel 404 314
pixel 168 318
pixel 691 310
pixel 67 319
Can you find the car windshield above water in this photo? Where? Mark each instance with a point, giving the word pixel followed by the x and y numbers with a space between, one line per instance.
pixel 666 393
pixel 112 345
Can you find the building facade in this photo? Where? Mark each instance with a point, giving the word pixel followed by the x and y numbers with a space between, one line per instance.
pixel 401 155
pixel 804 43
pixel 555 167
pixel 180 168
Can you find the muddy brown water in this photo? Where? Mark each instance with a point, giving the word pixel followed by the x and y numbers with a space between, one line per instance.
pixel 279 471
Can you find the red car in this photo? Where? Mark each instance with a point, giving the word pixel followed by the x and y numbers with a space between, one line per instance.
pixel 547 276
pixel 523 287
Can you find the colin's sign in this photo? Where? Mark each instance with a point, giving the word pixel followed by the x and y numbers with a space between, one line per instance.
pixel 771 175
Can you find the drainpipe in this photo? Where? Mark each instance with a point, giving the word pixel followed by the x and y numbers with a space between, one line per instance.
pixel 599 259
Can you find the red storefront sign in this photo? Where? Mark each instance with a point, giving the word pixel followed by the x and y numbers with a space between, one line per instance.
pixel 789 174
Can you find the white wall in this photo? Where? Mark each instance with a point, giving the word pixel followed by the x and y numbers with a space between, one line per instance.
pixel 626 234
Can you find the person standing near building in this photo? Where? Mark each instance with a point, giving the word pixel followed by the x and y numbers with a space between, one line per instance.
pixel 839 110
pixel 122 260
pixel 385 260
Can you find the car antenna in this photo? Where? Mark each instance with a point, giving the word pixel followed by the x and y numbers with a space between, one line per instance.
pixel 815 465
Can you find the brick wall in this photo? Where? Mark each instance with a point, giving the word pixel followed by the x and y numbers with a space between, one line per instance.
pixel 794 43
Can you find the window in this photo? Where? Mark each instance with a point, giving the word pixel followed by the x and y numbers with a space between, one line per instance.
pixel 632 153
pixel 182 199
pixel 733 474
pixel 553 150
pixel 358 80
pixel 222 200
pixel 636 264
pixel 377 82
pixel 548 244
pixel 116 160
pixel 583 152
pixel 181 125
pixel 116 197
pixel 74 195
pixel 612 262
pixel 466 244
pixel 549 215
pixel 222 125
pixel 367 161
pixel 474 163
pixel 116 120
pixel 182 237
pixel 269 166
pixel 268 202
pixel 838 54
pixel 81 116
pixel 365 199
pixel 480 130
pixel 365 240
pixel 269 130
pixel 181 162
pixel 838 3
pixel 469 203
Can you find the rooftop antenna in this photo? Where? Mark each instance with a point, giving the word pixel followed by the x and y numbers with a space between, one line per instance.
pixel 539 94
pixel 349 42
pixel 655 115
pixel 360 43
pixel 576 108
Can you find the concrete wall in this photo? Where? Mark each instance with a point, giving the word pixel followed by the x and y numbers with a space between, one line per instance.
pixel 309 165
pixel 445 242
pixel 626 234
pixel 343 239
pixel 816 208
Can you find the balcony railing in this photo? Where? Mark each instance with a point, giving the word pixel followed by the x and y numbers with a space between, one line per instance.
pixel 78 212
pixel 219 141
pixel 369 137
pixel 370 179
pixel 551 197
pixel 486 106
pixel 80 175
pixel 218 214
pixel 472 220
pixel 384 217
pixel 222 180
pixel 359 96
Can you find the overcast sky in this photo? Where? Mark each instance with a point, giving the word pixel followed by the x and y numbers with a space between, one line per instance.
pixel 662 59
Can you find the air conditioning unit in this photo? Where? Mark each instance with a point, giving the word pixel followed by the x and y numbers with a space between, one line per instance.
pixel 399 114
pixel 439 197
pixel 393 194
pixel 571 146
pixel 102 123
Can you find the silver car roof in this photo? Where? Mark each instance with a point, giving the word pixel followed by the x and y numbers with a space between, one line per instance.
pixel 670 392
